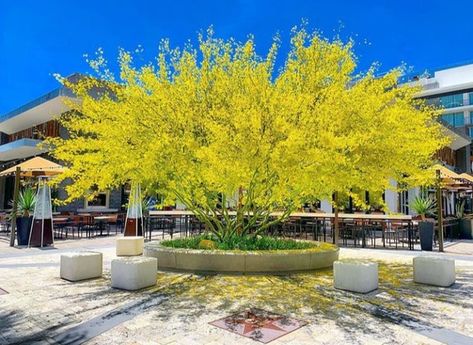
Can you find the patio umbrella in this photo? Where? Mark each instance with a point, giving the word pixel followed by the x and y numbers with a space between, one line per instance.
pixel 449 180
pixel 467 177
pixel 37 166
pixel 446 174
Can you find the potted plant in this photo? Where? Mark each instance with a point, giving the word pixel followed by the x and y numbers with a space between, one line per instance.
pixel 466 222
pixel 25 209
pixel 425 206
pixel 460 217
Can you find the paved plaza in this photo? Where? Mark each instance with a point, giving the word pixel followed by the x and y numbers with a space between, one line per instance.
pixel 38 307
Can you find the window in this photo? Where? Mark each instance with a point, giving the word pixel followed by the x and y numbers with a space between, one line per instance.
pixel 470 132
pixel 471 117
pixel 433 101
pixel 454 119
pixel 452 101
pixel 470 96
pixel 101 199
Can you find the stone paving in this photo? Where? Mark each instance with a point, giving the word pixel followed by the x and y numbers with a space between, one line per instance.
pixel 41 308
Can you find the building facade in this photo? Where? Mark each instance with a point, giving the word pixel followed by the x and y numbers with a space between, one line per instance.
pixel 21 133
pixel 450 89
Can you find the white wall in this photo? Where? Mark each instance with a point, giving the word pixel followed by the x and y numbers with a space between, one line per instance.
pixel 413 193
pixel 455 76
pixel 326 206
pixel 391 199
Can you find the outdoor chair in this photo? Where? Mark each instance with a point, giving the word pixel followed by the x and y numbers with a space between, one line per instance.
pixel 309 226
pixel 88 226
pixel 112 221
pixel 165 225
pixel 153 224
pixel 347 232
pixel 291 228
pixel 60 229
pixel 195 226
pixel 395 233
pixel 4 223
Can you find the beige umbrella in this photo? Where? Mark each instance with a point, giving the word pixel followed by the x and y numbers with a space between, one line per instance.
pixel 37 166
pixel 467 177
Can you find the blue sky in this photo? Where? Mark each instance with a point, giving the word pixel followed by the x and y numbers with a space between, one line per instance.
pixel 39 38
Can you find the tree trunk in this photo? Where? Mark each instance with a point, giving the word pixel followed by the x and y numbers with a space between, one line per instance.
pixel 239 207
pixel 335 220
pixel 439 210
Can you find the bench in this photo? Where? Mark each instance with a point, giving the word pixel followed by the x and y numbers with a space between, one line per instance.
pixel 355 276
pixel 130 245
pixel 80 266
pixel 133 273
pixel 434 270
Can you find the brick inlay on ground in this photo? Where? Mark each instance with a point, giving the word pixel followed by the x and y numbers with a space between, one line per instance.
pixel 259 324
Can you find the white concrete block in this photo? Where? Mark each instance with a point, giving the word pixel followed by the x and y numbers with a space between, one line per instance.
pixel 434 270
pixel 133 273
pixel 130 245
pixel 80 266
pixel 356 276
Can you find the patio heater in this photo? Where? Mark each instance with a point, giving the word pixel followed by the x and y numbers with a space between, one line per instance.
pixel 41 233
pixel 134 214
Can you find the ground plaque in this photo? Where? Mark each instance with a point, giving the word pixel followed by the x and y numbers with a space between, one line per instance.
pixel 259 325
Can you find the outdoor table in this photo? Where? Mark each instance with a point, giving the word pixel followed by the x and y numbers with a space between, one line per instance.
pixel 61 223
pixel 100 220
pixel 60 219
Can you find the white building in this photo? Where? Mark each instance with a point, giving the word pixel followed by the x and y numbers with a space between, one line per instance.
pixel 452 89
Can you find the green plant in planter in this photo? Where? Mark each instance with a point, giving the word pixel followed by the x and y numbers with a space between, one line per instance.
pixel 26 202
pixel 424 206
pixel 25 208
pixel 210 241
pixel 460 217
pixel 460 210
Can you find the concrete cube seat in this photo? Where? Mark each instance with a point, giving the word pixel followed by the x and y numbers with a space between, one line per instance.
pixel 355 276
pixel 81 265
pixel 130 245
pixel 434 270
pixel 133 273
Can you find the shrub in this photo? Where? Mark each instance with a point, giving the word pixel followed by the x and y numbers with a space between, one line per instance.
pixel 246 243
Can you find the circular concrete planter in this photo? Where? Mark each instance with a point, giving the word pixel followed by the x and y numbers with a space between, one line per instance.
pixel 196 260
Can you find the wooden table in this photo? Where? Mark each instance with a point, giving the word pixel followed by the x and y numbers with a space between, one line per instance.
pixel 101 221
pixel 60 219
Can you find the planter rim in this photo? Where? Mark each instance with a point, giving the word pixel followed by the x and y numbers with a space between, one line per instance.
pixel 234 261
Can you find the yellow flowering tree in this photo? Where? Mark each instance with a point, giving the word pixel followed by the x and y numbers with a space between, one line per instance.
pixel 219 127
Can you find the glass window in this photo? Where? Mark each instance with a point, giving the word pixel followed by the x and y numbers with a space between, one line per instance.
pixel 471 117
pixel 100 199
pixel 454 119
pixel 433 101
pixel 470 132
pixel 452 101
pixel 471 98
